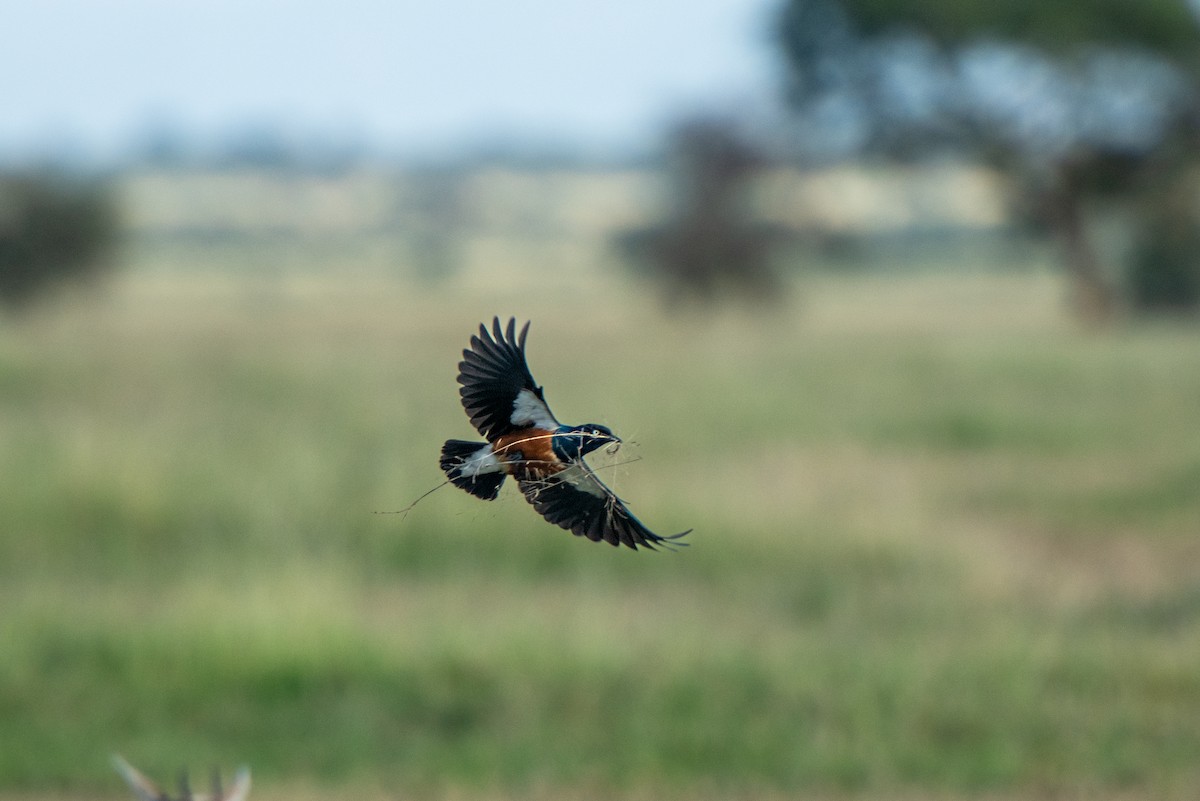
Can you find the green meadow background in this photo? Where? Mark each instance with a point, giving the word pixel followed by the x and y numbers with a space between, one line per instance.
pixel 946 541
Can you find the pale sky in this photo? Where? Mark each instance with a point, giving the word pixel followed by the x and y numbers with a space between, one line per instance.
pixel 399 74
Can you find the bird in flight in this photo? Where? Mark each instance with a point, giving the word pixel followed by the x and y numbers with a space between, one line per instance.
pixel 526 441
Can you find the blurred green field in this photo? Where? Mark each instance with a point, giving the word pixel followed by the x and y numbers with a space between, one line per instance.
pixel 946 546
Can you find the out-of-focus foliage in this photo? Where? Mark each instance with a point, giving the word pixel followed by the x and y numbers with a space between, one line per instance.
pixel 52 230
pixel 1164 268
pixel 709 245
pixel 1164 26
pixel 1081 103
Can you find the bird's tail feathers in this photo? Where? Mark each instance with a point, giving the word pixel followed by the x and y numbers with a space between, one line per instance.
pixel 455 454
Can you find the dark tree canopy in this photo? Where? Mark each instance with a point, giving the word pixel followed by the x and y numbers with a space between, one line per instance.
pixel 1076 100
pixel 1166 27
pixel 1023 77
pixel 709 246
pixel 52 229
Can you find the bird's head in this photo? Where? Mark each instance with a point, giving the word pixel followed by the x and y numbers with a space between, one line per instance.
pixel 592 436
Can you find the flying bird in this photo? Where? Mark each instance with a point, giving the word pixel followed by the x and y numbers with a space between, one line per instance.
pixel 526 441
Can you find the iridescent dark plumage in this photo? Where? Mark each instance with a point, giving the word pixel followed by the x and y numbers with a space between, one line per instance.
pixel 526 441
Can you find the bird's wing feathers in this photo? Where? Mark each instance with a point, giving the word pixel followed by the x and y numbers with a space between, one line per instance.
pixel 498 391
pixel 500 396
pixel 577 500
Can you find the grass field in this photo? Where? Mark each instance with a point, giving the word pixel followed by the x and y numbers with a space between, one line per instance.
pixel 946 546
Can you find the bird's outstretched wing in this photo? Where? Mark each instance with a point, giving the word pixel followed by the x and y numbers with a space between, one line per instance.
pixel 498 391
pixel 577 500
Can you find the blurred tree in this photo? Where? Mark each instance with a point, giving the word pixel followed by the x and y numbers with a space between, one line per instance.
pixel 709 245
pixel 52 229
pixel 1079 101
pixel 1164 26
pixel 1164 274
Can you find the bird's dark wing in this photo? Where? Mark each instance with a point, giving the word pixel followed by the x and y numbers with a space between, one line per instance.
pixel 577 500
pixel 498 391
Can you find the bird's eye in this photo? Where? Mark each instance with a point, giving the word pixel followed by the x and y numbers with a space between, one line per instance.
pixel 595 432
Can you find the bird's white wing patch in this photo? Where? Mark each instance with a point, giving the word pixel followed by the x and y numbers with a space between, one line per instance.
pixel 529 410
pixel 482 461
